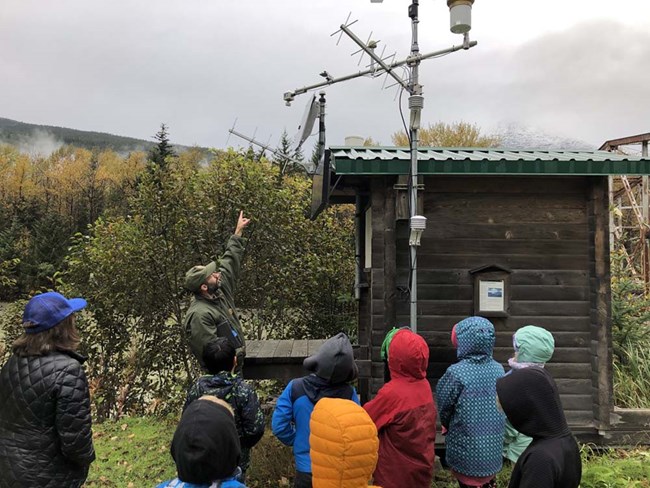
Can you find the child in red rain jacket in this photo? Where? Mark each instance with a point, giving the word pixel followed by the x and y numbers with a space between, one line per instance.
pixel 405 415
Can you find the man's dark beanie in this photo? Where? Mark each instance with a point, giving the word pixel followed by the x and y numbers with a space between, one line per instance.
pixel 205 445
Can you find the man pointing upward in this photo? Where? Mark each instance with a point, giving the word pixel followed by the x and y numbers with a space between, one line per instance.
pixel 212 311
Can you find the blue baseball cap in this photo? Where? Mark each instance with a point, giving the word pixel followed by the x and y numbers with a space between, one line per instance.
pixel 46 310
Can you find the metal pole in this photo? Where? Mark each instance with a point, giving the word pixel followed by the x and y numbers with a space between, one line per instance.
pixel 416 102
pixel 321 128
pixel 289 96
pixel 358 211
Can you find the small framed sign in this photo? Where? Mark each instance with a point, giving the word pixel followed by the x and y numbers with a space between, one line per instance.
pixel 491 290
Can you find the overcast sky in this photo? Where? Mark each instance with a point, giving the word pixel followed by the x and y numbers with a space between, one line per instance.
pixel 575 68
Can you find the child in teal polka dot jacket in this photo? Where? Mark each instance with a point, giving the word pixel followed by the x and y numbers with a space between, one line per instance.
pixel 466 397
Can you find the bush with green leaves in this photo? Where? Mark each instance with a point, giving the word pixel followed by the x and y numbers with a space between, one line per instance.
pixel 630 335
pixel 296 280
pixel 8 274
pixel 11 319
pixel 630 307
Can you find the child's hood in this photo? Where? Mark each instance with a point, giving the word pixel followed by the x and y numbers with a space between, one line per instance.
pixel 530 400
pixel 205 446
pixel 534 344
pixel 408 355
pixel 475 336
pixel 334 361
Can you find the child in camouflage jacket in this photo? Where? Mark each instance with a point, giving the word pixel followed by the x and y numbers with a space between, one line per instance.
pixel 220 359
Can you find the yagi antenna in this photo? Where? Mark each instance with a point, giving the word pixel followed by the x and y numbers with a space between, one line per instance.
pixel 372 64
pixel 339 31
pixel 373 56
pixel 233 127
pixel 267 147
pixel 378 64
pixel 370 44
pixel 268 142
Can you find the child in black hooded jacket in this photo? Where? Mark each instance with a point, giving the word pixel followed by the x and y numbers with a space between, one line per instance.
pixel 530 399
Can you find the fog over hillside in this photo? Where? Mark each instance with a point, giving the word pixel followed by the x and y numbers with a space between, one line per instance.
pixel 39 142
pixel 519 136
pixel 44 139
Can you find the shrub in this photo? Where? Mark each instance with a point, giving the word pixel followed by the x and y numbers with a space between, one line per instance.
pixel 296 279
pixel 630 336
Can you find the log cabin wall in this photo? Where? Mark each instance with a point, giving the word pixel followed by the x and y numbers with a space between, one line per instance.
pixel 382 295
pixel 550 231
pixel 600 303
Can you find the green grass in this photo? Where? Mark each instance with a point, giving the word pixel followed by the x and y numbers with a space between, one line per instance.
pixel 612 468
pixel 134 453
pixel 632 376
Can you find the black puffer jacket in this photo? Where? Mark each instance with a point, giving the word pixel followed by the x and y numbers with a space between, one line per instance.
pixel 45 425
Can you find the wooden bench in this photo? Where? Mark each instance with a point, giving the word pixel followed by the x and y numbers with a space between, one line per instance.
pixel 282 359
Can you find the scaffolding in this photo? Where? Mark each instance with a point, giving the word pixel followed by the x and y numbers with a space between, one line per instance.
pixel 629 210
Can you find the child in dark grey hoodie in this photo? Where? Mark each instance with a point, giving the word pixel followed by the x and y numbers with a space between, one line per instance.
pixel 530 400
pixel 332 369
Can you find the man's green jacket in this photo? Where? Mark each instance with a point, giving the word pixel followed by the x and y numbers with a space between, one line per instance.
pixel 207 318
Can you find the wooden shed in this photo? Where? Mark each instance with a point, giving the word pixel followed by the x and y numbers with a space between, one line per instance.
pixel 534 222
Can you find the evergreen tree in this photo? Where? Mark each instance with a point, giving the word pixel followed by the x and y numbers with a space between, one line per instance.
pixel 289 160
pixel 284 152
pixel 315 154
pixel 163 149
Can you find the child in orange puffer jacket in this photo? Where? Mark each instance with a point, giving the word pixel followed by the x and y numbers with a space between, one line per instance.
pixel 343 445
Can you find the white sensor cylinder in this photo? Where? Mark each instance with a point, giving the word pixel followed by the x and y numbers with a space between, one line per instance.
pixel 460 16
pixel 354 141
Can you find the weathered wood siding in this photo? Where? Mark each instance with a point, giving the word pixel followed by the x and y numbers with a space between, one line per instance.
pixel 600 302
pixel 550 231
pixel 382 293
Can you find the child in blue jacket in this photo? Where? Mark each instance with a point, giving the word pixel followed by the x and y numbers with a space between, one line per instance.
pixel 466 397
pixel 332 369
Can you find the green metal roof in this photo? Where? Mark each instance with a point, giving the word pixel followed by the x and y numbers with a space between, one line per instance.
pixel 483 161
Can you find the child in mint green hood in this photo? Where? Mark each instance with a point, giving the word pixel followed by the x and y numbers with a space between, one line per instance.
pixel 534 347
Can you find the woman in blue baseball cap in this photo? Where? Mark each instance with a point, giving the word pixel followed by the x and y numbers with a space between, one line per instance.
pixel 45 424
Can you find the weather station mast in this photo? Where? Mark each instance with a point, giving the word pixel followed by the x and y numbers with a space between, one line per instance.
pixel 460 23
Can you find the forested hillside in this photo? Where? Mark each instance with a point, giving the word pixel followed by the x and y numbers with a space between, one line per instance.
pixel 43 139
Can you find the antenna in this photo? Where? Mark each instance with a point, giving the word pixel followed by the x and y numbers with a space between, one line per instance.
pixel 266 147
pixel 290 96
pixel 460 11
pixel 370 44
pixel 307 122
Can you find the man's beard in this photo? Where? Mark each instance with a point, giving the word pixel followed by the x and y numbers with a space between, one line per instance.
pixel 212 289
